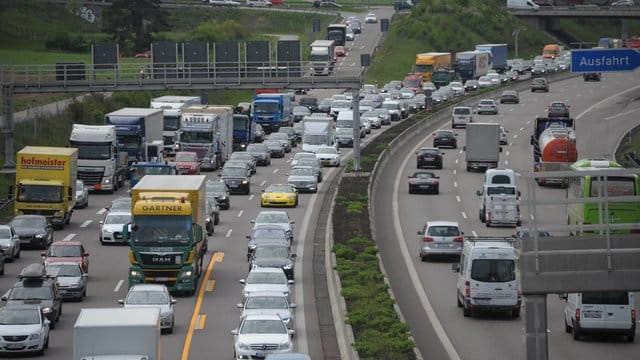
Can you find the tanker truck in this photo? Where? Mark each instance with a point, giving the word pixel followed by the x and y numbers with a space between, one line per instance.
pixel 555 150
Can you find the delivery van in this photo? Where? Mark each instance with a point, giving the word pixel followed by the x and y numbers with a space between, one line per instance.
pixel 487 278
pixel 499 182
pixel 600 312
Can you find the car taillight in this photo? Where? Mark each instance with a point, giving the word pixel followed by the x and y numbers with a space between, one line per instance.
pixel 458 239
pixel 467 289
pixel 635 231
pixel 412 181
pixel 577 315
pixel 427 239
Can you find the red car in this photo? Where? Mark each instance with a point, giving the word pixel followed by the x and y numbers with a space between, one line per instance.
pixel 277 2
pixel 187 163
pixel 67 251
pixel 144 55
pixel 340 51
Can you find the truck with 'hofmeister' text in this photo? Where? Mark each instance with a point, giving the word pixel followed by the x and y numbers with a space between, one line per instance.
pixel 426 63
pixel 472 65
pixel 101 166
pixel 498 55
pixel 46 183
pixel 135 127
pixel 207 130
pixel 172 107
pixel 272 111
pixel 167 233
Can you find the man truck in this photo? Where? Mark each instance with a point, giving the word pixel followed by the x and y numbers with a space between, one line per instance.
pixel 46 183
pixel 272 111
pixel 117 333
pixel 135 127
pixel 100 163
pixel 498 55
pixel 208 131
pixel 337 33
pixel 172 107
pixel 322 57
pixel 167 232
pixel 482 150
pixel 426 63
pixel 471 65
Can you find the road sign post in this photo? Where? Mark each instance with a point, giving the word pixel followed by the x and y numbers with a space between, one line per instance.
pixel 604 60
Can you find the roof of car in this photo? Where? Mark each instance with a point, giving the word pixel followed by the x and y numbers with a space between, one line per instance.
pixel 262 317
pixel 66 243
pixel 443 223
pixel 148 287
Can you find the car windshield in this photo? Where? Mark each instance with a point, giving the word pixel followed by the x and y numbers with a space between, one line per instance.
pixel 263 327
pixel 273 143
pixel 117 219
pixel 429 151
pixel 64 251
pixel 241 156
pixel 303 155
pixel 423 175
pixel 181 157
pixel 234 171
pixel 606 298
pixel 31 293
pixel 277 233
pixel 271 252
pixel 256 148
pixel 493 270
pixel 279 188
pixel 308 162
pixel 213 186
pixel 5 233
pixel 277 278
pixel 147 298
pixel 67 270
pixel 19 316
pixel 279 136
pixel 484 78
pixel 486 102
pixel 302 172
pixel 326 151
pixel 28 222
pixel 443 231
pixel 123 204
pixel 344 131
pixel 266 302
pixel 270 218
pixel 346 104
pixel 444 134
pixel 391 106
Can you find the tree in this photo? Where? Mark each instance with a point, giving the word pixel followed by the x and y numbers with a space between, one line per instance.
pixel 131 22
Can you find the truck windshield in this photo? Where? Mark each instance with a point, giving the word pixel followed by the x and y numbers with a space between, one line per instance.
pixel 171 123
pixel 424 68
pixel 93 151
pixel 140 171
pixel 318 57
pixel 265 108
pixel 196 137
pixel 40 193
pixel 412 83
pixel 497 190
pixel 241 124
pixel 158 230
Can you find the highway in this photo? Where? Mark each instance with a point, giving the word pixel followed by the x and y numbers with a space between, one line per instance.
pixel 425 291
pixel 204 321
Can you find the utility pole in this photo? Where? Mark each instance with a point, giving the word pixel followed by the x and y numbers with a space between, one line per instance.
pixel 356 129
pixel 515 34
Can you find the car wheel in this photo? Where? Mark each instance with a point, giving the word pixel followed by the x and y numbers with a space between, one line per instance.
pixel 2 269
pixel 576 332
pixel 437 192
pixel 216 220
pixel 18 253
pixel 515 313
pixel 458 301
pixel 567 328
pixel 631 336
pixel 424 258
pixel 410 191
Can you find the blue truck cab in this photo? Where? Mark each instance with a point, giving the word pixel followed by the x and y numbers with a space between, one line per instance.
pixel 134 127
pixel 272 111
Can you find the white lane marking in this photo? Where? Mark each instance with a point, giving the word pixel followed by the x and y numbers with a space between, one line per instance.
pixel 506 162
pixel 69 237
pixel 605 100
pixel 118 285
pixel 528 122
pixel 250 197
pixel 101 211
pixel 86 223
pixel 454 171
pixel 507 153
pixel 455 184
pixel 240 213
pixel 521 128
pixel 473 232
pixel 263 182
pixel 458 198
pixel 532 217
pixel 276 170
pixel 464 214
pixel 456 161
pixel 229 232
pixel 460 152
pixel 515 136
pixel 622 114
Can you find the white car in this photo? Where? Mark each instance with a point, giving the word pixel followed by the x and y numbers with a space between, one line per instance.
pixel 9 242
pixel 372 118
pixel 259 3
pixel 328 156
pixel 82 194
pixel 262 279
pixel 275 217
pixel 111 226
pixel 487 106
pixel 623 3
pixel 152 295
pixel 440 238
pixel 260 335
pixel 494 78
pixel 484 82
pixel 269 302
pixel 350 34
pixel 23 328
pixel 504 139
pixel 301 155
pixel 457 88
pixel 371 18
pixel 224 3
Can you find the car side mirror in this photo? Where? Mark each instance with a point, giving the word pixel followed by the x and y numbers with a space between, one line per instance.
pixel 85 254
pixel 290 282
pixel 242 281
pixel 455 268
pixel 248 236
pixel 518 193
pixel 239 306
pixel 121 301
pixel 500 148
pixel 101 222
pixel 291 332
pixel 47 322
pixel 293 256
pixel 252 221
pixel 292 222
pixel 436 177
pixel 234 332
pixel 293 306
pixel 173 301
pixel 479 193
pixel 420 232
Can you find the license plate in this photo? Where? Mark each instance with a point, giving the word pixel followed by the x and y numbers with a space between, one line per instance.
pixel 425 186
pixel 483 301
pixel 592 314
pixel 90 188
pixel 25 241
pixel 63 291
pixel 260 355
pixel 233 185
pixel 161 278
pixel 14 346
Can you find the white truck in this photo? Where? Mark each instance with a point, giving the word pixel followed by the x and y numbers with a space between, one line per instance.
pixel 117 333
pixel 482 150
pixel 322 57
pixel 172 107
pixel 134 128
pixel 317 131
pixel 472 64
pixel 100 163
pixel 208 131
pixel 502 210
pixel 522 5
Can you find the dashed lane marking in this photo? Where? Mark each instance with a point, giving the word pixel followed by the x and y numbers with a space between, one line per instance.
pixel 240 213
pixel 229 232
pixel 118 285
pixel 464 214
pixel 69 237
pixel 101 211
pixel 473 232
pixel 202 318
pixel 251 197
pixel 458 198
pixel 263 182
pixel 86 223
pixel 211 284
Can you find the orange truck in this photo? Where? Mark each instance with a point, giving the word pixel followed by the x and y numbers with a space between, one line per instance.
pixel 551 51
pixel 426 63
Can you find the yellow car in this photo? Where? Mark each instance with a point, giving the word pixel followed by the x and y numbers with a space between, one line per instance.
pixel 279 195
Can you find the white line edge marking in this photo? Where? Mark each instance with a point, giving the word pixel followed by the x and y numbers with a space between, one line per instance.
pixel 251 197
pixel 118 285
pixel 69 237
pixel 455 184
pixel 458 198
pixel 276 170
pixel 263 182
pixel 411 270
pixel 474 233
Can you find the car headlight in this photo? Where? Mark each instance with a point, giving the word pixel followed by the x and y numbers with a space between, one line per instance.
pixel 244 346
pixel 34 336
pixel 246 294
pixel 253 246
pixel 134 273
pixel 46 310
pixel 284 346
pixel 107 231
pixel 288 266
pixel 286 320
pixel 187 273
pixel 40 236
pixel 244 182
pixel 107 181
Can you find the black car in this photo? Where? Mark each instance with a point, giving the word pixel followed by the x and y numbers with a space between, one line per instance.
pixel 35 286
pixel 526 233
pixel 258 134
pixel 509 97
pixel 274 255
pixel 402 5
pixel 276 148
pixel 261 153
pixel 219 191
pixel 355 25
pixel 265 234
pixel 310 102
pixel 591 76
pixel 558 109
pixel 344 137
pixel 429 156
pixel 325 4
pixel 443 138
pixel 236 179
pixel 539 84
pixel 33 231
pixel 425 182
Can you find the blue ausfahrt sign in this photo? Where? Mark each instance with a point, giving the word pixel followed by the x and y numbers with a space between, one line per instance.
pixel 603 60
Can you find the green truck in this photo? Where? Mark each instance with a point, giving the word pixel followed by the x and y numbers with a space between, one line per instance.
pixel 167 234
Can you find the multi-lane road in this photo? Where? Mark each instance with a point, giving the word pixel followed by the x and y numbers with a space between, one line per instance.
pixel 425 291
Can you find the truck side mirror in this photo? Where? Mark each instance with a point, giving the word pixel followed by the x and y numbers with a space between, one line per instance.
pixel 500 148
pixel 479 192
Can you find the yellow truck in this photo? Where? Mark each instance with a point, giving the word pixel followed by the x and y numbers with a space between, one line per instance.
pixel 167 235
pixel 46 183
pixel 426 63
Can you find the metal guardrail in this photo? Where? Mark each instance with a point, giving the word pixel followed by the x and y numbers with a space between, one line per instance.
pixel 6 204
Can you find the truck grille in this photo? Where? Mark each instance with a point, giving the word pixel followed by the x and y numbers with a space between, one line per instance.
pixel 48 213
pixel 264 347
pixel 91 177
pixel 168 140
pixel 201 150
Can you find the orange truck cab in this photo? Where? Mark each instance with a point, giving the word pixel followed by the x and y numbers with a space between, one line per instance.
pixel 551 51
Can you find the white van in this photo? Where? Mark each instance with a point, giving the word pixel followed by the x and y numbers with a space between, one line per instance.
pixel 461 116
pixel 259 3
pixel 600 312
pixel 496 182
pixel 522 4
pixel 487 278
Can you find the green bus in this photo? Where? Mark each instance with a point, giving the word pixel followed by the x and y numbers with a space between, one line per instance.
pixel 587 186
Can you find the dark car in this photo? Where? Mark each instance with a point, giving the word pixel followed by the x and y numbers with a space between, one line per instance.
pixel 219 191
pixel 258 134
pixel 265 234
pixel 274 255
pixel 526 233
pixel 539 84
pixel 326 4
pixel 33 231
pixel 213 212
pixel 402 5
pixel 425 182
pixel 509 97
pixel 261 153
pixel 442 138
pixel 429 156
pixel 35 286
pixel 291 134
pixel 558 109
pixel 310 102
pixel 355 25
pixel 591 76
pixel 276 148
pixel 236 179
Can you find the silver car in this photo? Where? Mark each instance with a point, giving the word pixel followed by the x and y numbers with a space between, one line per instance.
pixel 82 194
pixel 23 329
pixel 487 106
pixel 269 302
pixel 275 217
pixel 9 243
pixel 262 279
pixel 72 280
pixel 111 226
pixel 304 179
pixel 259 335
pixel 152 295
pixel 440 238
